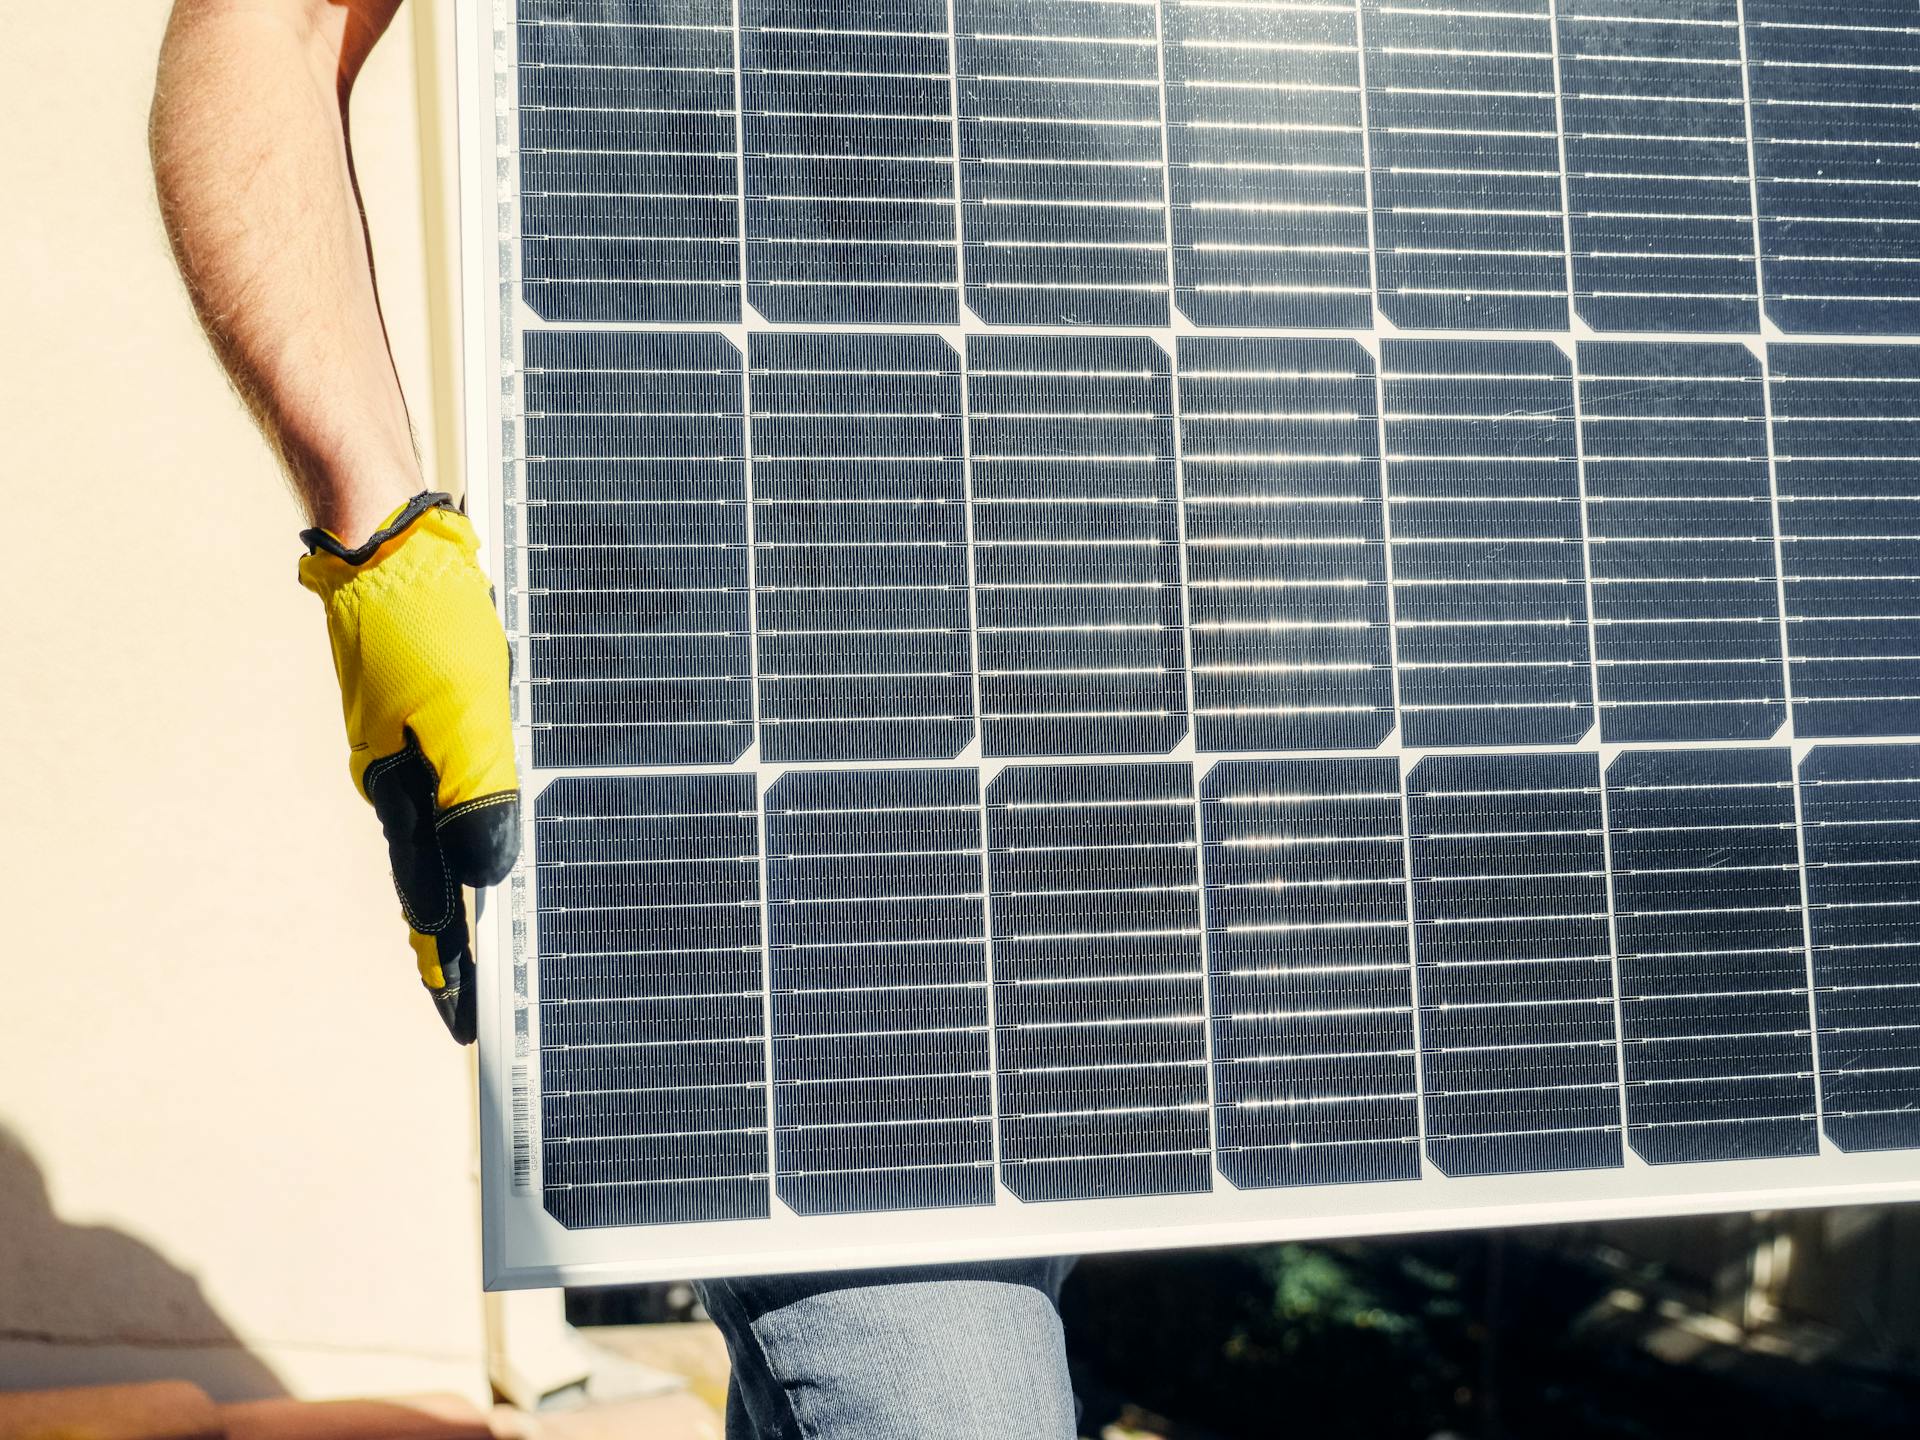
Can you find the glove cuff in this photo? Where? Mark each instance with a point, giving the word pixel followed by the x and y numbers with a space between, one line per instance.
pixel 318 541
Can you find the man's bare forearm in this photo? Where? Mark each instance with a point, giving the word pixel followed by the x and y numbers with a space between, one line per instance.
pixel 255 177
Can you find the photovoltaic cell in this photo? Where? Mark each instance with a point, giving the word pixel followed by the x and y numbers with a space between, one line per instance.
pixel 639 631
pixel 1846 439
pixel 1267 161
pixel 1062 175
pixel 1836 150
pixel 1076 545
pixel 652 1024
pixel 1515 964
pixel 860 548
pixel 1483 499
pixel 1098 981
pixel 1286 571
pixel 1468 216
pixel 1659 193
pixel 629 160
pixel 1712 955
pixel 882 1078
pixel 848 125
pixel 1686 602
pixel 1309 973
pixel 1860 806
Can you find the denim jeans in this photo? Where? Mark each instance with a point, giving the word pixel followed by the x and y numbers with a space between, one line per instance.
pixel 948 1352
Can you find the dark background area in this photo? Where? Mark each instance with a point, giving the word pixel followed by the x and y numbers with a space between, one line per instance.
pixel 1764 1326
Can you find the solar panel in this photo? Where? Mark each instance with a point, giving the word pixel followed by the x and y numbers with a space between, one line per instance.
pixel 1846 436
pixel 1659 191
pixel 1285 538
pixel 882 1074
pixel 1267 164
pixel 1834 135
pixel 1483 489
pixel 1469 209
pixel 629 161
pixel 1518 1025
pixel 1315 1069
pixel 652 1022
pixel 1062 168
pixel 1686 604
pixel 1714 1001
pixel 847 113
pixel 1094 877
pixel 1161 622
pixel 1858 804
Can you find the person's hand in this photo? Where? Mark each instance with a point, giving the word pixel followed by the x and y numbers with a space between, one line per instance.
pixel 423 667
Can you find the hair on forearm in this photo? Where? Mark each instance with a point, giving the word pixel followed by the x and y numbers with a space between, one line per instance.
pixel 254 174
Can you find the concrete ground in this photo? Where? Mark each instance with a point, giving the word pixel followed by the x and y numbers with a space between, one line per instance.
pixel 693 1360
pixel 668 1382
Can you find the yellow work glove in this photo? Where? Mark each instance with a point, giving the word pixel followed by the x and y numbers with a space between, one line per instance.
pixel 423 667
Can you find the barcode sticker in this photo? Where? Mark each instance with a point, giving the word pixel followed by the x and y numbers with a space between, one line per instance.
pixel 522 1075
pixel 522 1131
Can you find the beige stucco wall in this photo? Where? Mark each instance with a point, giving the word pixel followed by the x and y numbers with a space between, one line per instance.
pixel 241 1144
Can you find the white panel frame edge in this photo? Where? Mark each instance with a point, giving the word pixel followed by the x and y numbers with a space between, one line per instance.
pixel 525 1247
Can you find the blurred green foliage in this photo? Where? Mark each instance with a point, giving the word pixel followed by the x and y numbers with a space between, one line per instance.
pixel 1229 1340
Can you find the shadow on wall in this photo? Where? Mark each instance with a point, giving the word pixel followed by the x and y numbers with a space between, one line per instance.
pixel 87 1304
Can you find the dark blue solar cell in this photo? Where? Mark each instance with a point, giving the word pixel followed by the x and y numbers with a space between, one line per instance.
pixel 1712 951
pixel 1659 198
pixel 1518 1035
pixel 1468 227
pixel 1267 163
pixel 636 549
pixel 1100 1010
pixel 882 1076
pixel 629 160
pixel 652 1000
pixel 1860 809
pixel 1061 171
pixel 1836 152
pixel 860 548
pixel 1686 595
pixel 1286 567
pixel 848 116
pixel 1489 579
pixel 1846 435
pixel 1309 974
pixel 1076 545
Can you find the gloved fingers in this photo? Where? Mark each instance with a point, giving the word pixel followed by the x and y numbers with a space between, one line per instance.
pixel 447 970
pixel 402 788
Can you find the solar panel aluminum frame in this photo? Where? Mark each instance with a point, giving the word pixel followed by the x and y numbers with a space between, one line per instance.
pixel 524 1246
